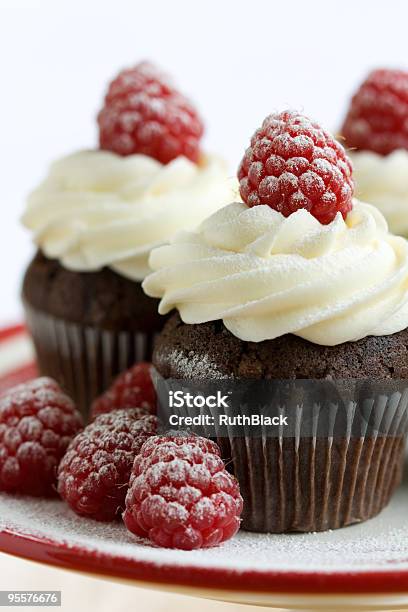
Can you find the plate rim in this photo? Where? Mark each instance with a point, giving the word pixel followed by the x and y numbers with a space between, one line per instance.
pixel 79 558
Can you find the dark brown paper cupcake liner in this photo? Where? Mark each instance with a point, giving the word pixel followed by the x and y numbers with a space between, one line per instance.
pixel 313 487
pixel 82 359
pixel 305 484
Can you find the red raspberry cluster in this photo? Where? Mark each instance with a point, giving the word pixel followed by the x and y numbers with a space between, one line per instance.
pixel 37 423
pixel 175 489
pixel 133 388
pixel 378 116
pixel 94 474
pixel 293 163
pixel 144 113
pixel 180 494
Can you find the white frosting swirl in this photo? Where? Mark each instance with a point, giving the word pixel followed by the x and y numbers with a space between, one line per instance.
pixel 99 209
pixel 266 275
pixel 383 181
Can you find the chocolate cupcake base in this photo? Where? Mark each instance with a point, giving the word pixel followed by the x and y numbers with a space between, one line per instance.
pixel 87 327
pixel 304 481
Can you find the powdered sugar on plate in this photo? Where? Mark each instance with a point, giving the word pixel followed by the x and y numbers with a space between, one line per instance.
pixel 379 544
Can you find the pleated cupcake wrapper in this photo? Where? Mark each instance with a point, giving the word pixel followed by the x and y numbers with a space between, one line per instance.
pixel 313 485
pixel 317 476
pixel 84 359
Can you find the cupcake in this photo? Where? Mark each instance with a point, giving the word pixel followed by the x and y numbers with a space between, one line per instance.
pixel 376 132
pixel 302 287
pixel 95 219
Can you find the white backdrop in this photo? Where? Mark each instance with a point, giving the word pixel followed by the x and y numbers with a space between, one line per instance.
pixel 237 59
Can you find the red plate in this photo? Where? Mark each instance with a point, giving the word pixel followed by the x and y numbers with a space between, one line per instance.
pixel 363 565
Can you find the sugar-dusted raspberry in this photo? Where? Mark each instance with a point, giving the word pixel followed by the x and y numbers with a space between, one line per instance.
pixel 37 423
pixel 144 113
pixel 293 163
pixel 180 495
pixel 377 119
pixel 131 389
pixel 93 476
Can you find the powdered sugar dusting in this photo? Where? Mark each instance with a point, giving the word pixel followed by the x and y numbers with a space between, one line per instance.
pixel 379 544
pixel 192 365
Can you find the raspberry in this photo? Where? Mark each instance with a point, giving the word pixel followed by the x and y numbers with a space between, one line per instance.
pixel 94 474
pixel 293 163
pixel 131 389
pixel 37 423
pixel 180 495
pixel 143 113
pixel 378 116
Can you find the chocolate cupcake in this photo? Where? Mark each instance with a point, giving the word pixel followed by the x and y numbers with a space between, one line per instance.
pixel 375 131
pixel 302 288
pixel 96 218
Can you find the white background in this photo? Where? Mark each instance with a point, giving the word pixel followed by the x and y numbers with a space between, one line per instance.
pixel 237 59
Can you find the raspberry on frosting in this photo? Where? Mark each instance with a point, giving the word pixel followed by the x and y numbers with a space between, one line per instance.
pixel 144 113
pixel 94 474
pixel 377 119
pixel 131 389
pixel 180 494
pixel 293 163
pixel 37 423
